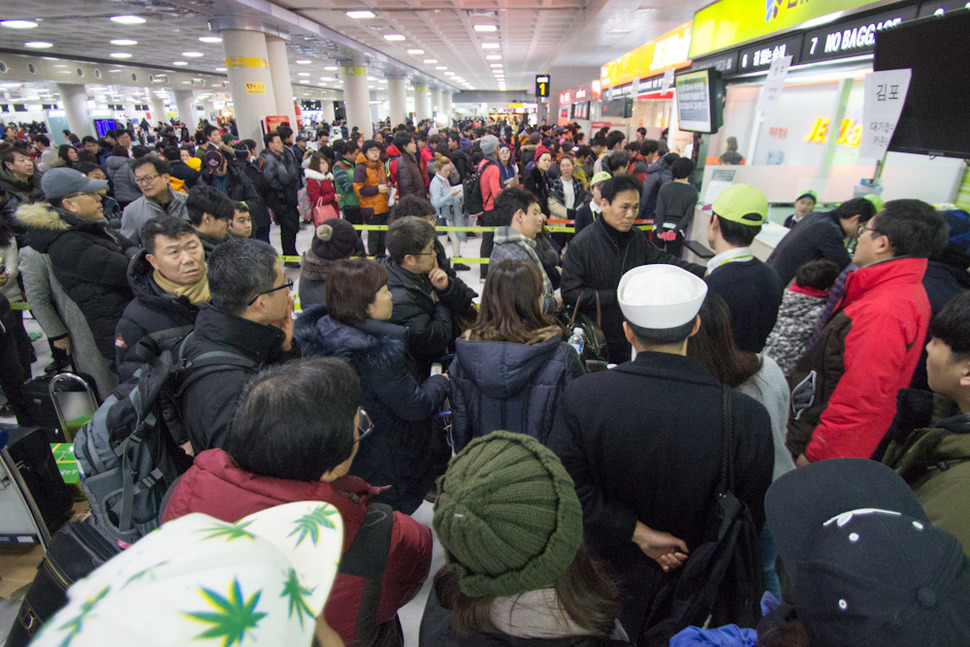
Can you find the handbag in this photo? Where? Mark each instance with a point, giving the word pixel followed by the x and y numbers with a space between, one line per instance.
pixel 595 355
pixel 323 212
pixel 722 580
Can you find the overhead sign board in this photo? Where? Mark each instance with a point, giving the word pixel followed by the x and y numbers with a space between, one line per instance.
pixel 852 37
pixel 542 85
pixel 667 51
pixel 729 23
pixel 759 57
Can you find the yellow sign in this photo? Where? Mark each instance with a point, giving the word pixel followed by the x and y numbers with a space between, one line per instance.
pixel 246 61
pixel 650 59
pixel 255 87
pixel 732 22
pixel 850 134
pixel 420 88
pixel 355 70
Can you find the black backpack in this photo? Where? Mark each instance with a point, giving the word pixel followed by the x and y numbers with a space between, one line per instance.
pixel 472 190
pixel 722 581
pixel 128 455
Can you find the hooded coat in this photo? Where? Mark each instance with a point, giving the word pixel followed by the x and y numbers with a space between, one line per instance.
pixel 397 453
pixel 659 173
pixel 152 310
pixel 503 385
pixel 90 261
pixel 122 179
pixel 14 194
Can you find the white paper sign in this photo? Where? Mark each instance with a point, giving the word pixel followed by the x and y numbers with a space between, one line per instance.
pixel 721 179
pixel 774 84
pixel 668 79
pixel 883 103
pixel 636 88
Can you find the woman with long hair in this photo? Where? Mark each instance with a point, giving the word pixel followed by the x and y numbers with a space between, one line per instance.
pixel 509 170
pixel 447 203
pixel 755 375
pixel 511 366
pixel 320 187
pixel 354 326
pixel 67 155
pixel 516 570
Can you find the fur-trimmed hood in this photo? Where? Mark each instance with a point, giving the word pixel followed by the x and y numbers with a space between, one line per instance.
pixel 44 224
pixel 370 346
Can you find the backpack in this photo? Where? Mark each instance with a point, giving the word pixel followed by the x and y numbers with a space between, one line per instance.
pixel 472 189
pixel 722 581
pixel 127 454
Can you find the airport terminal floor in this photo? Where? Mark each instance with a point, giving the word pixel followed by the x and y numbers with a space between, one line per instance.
pixel 534 324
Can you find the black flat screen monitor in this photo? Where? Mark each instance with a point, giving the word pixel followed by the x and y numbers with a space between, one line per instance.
pixel 700 101
pixel 935 119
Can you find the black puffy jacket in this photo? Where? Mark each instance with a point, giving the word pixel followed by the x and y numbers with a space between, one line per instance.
pixel 397 453
pixel 152 310
pixel 91 262
pixel 516 387
pixel 240 188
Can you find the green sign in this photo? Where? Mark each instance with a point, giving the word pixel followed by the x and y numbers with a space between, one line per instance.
pixel 732 22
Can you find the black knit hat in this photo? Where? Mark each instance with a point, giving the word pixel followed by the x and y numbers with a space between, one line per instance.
pixel 334 239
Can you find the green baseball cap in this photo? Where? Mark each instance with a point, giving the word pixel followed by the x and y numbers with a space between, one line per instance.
pixel 876 201
pixel 602 176
pixel 742 203
pixel 807 194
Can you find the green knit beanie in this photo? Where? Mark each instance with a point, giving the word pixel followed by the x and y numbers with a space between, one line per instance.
pixel 507 516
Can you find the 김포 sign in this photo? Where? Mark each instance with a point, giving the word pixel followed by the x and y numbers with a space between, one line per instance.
pixel 885 95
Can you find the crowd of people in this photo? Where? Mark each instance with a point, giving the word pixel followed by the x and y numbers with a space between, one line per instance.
pixel 569 501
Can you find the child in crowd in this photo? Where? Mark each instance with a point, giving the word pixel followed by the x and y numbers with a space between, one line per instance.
pixel 801 306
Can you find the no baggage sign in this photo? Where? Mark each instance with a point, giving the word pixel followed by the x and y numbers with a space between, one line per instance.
pixel 883 103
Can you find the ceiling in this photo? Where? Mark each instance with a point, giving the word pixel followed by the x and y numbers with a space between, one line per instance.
pixel 530 36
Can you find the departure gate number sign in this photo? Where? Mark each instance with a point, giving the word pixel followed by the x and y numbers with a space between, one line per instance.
pixel 542 85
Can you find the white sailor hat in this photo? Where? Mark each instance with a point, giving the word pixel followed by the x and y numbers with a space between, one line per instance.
pixel 660 296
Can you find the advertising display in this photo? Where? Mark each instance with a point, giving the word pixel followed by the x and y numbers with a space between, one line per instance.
pixel 700 98
pixel 667 51
pixel 729 23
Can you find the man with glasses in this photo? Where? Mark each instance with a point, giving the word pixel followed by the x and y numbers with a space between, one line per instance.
pixel 158 198
pixel 844 388
pixel 90 260
pixel 249 318
pixel 821 235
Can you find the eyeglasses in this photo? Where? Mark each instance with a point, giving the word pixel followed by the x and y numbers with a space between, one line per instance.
pixel 365 426
pixel 288 285
pixel 146 179
pixel 862 229
pixel 77 194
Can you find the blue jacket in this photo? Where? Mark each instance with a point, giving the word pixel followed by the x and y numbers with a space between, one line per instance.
pixel 396 454
pixel 516 387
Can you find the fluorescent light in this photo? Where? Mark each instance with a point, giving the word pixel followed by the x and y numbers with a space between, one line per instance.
pixel 491 46
pixel 179 63
pixel 38 44
pixel 415 52
pixel 304 61
pixel 485 28
pixel 128 20
pixel 114 70
pixel 193 54
pixel 371 78
pixel 430 61
pixel 393 37
pixel 210 39
pixel 18 24
pixel 331 68
pixel 493 57
pixel 441 68
pixel 361 15
pixel 303 74
pixel 495 65
pixel 124 41
pixel 221 69
pixel 119 55
pixel 449 73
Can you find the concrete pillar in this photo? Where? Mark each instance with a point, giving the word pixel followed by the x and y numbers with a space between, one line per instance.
pixel 210 109
pixel 398 100
pixel 74 98
pixel 446 108
pixel 326 109
pixel 157 105
pixel 250 81
pixel 279 68
pixel 435 102
pixel 422 103
pixel 185 104
pixel 357 99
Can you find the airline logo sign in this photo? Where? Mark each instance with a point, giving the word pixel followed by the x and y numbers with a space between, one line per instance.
pixel 255 87
pixel 669 51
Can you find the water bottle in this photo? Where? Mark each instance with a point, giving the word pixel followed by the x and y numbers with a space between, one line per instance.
pixel 576 340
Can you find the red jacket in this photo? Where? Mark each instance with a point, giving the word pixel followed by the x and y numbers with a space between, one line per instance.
pixel 491 183
pixel 216 486
pixel 426 155
pixel 866 353
pixel 319 187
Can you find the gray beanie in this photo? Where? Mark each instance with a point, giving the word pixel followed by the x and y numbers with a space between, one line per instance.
pixel 489 144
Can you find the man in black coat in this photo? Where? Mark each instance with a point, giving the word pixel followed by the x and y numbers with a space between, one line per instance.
pixel 600 254
pixel 820 235
pixel 427 301
pixel 250 317
pixel 169 282
pixel 90 259
pixel 642 442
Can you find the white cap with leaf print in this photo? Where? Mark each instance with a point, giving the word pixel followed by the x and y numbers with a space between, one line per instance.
pixel 200 581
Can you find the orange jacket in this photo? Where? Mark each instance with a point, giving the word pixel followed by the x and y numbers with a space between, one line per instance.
pixel 367 176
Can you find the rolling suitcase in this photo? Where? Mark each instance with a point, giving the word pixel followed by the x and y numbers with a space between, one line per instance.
pixel 29 454
pixel 60 404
